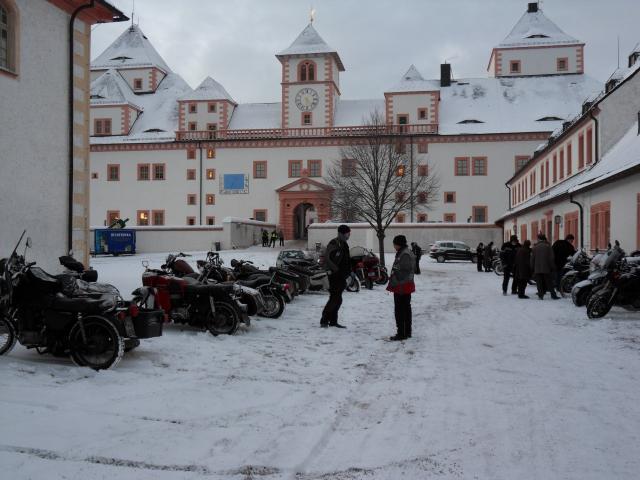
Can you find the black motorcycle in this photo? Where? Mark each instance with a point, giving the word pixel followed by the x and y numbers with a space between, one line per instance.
pixel 65 316
pixel 274 294
pixel 575 270
pixel 622 288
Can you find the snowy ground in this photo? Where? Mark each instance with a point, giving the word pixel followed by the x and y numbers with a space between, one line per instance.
pixel 490 387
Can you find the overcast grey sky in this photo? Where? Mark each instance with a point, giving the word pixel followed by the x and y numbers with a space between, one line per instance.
pixel 234 41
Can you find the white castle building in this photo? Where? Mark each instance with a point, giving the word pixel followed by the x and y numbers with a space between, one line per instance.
pixel 165 154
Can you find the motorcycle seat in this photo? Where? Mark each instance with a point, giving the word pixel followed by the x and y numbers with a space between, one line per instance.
pixel 83 305
pixel 193 286
pixel 254 282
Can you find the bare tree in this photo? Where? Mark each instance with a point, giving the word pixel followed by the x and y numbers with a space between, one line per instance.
pixel 374 180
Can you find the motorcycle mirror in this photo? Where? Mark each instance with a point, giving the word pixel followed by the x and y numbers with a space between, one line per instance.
pixel 145 263
pixel 29 243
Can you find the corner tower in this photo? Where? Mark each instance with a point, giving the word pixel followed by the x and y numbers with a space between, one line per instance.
pixel 310 81
pixel 536 46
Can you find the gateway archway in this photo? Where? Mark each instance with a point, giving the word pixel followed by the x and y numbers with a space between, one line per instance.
pixel 303 202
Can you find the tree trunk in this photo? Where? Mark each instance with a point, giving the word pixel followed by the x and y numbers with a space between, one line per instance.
pixel 380 234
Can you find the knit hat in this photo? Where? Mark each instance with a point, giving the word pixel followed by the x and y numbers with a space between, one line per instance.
pixel 343 229
pixel 400 240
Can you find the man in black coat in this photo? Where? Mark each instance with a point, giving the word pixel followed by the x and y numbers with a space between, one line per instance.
pixel 338 263
pixel 562 249
pixel 480 255
pixel 508 259
pixel 417 253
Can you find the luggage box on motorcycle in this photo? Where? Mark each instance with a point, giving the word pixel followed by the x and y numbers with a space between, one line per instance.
pixel 148 323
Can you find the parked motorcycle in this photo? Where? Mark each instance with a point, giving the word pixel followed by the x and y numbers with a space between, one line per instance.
pixel 601 264
pixel 576 270
pixel 63 315
pixel 187 300
pixel 318 278
pixel 622 288
pixel 273 293
pixel 366 265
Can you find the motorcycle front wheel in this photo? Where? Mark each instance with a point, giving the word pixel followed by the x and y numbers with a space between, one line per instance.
pixel 497 269
pixel 598 307
pixel 224 321
pixel 273 306
pixel 7 335
pixel 566 284
pixel 100 346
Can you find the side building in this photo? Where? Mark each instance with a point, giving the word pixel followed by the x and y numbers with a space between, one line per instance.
pixel 44 83
pixel 166 155
pixel 585 180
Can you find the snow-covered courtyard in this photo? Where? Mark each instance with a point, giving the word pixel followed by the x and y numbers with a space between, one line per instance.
pixel 489 387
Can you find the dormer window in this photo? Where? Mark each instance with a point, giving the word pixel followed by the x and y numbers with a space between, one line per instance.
pixel 137 84
pixel 549 119
pixel 563 64
pixel 470 120
pixel 610 85
pixel 154 130
pixel 515 66
pixel 122 58
pixel 538 35
pixel 96 97
pixel 306 71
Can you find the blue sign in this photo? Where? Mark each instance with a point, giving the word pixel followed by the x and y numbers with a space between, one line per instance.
pixel 234 183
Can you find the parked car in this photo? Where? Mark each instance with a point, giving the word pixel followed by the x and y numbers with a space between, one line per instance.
pixel 444 250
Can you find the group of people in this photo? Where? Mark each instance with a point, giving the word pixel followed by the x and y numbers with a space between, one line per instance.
pixel 401 284
pixel 270 239
pixel 484 256
pixel 542 263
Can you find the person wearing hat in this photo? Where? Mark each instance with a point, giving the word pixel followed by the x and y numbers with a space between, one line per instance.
pixel 402 286
pixel 338 263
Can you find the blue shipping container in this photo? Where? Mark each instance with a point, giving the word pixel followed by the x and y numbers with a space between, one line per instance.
pixel 114 241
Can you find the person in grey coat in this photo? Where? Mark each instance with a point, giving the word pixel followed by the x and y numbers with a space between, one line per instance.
pixel 543 265
pixel 402 286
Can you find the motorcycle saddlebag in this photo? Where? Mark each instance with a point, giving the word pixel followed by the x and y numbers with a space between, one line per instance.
pixel 148 323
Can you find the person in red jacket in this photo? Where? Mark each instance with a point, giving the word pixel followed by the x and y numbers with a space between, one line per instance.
pixel 402 286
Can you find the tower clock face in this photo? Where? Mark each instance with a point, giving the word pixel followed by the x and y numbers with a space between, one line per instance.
pixel 307 99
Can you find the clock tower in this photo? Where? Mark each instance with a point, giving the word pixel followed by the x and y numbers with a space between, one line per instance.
pixel 310 81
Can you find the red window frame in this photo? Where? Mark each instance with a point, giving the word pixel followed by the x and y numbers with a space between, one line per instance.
pixel 192 199
pixel 298 164
pixel 453 196
pixel 116 169
pixel 449 218
pixel 159 171
pixel 191 173
pixel 157 217
pixel 142 218
pixel 256 165
pixel 461 167
pixel 211 174
pixel 261 211
pixel 314 165
pixel 144 172
pixel 483 164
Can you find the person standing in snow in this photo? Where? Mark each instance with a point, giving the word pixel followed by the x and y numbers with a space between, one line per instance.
pixel 523 268
pixel 281 236
pixel 543 264
pixel 338 263
pixel 508 259
pixel 265 238
pixel 417 253
pixel 480 255
pixel 402 286
pixel 274 239
pixel 488 257
pixel 562 250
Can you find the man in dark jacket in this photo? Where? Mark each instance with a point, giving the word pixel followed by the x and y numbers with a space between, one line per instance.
pixel 417 253
pixel 508 259
pixel 488 257
pixel 523 268
pixel 543 264
pixel 480 255
pixel 562 249
pixel 338 263
pixel 402 286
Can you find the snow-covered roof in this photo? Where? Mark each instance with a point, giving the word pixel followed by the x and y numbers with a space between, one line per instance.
pixel 310 42
pixel 209 89
pixel 159 119
pixel 506 105
pixel 356 112
pixel 412 81
pixel 256 115
pixel 535 28
pixel 131 49
pixel 111 89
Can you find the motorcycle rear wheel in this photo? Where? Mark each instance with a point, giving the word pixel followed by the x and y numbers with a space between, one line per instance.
pixel 383 279
pixel 104 346
pixel 598 307
pixel 7 336
pixel 498 269
pixel 566 284
pixel 273 306
pixel 353 284
pixel 224 321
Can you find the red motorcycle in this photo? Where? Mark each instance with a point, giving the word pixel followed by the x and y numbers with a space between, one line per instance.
pixel 189 300
pixel 366 265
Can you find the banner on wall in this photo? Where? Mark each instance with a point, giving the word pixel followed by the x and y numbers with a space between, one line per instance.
pixel 233 183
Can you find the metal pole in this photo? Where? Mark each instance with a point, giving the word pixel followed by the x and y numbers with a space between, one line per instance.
pixel 411 173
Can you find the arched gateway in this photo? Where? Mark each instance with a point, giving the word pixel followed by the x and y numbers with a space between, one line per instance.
pixel 303 202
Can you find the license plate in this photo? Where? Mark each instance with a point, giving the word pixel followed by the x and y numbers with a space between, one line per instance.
pixel 128 327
